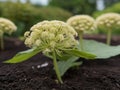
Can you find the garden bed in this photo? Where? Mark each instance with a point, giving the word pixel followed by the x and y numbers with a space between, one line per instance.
pixel 92 75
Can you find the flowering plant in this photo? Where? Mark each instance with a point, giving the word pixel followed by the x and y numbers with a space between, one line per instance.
pixel 6 26
pixel 51 35
pixel 82 24
pixel 108 22
pixel 54 39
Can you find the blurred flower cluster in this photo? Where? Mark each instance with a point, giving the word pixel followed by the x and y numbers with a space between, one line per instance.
pixel 108 21
pixel 7 26
pixel 82 23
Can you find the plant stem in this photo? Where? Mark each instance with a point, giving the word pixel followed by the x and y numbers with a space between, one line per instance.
pixel 81 40
pixel 1 42
pixel 109 34
pixel 56 68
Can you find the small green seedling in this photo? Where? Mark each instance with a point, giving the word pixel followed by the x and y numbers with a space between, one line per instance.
pixel 82 24
pixel 54 39
pixel 109 22
pixel 6 26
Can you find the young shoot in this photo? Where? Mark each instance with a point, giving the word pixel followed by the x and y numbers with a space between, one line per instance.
pixel 82 24
pixel 6 26
pixel 54 39
pixel 108 22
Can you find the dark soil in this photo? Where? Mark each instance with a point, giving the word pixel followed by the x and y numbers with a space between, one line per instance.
pixel 92 75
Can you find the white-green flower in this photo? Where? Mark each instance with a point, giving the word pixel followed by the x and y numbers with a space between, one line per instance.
pixel 7 26
pixel 51 35
pixel 82 23
pixel 52 38
pixel 108 21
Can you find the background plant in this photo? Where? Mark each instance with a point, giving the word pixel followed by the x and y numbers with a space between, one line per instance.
pixel 6 26
pixel 75 6
pixel 109 22
pixel 82 24
pixel 114 8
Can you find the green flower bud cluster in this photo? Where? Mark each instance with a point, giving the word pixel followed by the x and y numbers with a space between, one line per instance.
pixel 108 21
pixel 7 26
pixel 82 23
pixel 51 35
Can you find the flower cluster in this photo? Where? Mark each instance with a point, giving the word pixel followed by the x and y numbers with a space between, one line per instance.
pixel 7 26
pixel 82 23
pixel 51 35
pixel 108 21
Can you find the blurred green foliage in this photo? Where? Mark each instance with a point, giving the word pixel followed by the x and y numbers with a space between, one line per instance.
pixel 110 2
pixel 75 6
pixel 52 13
pixel 114 8
pixel 25 15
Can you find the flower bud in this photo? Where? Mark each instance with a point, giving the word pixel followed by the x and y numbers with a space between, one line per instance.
pixel 60 37
pixel 37 42
pixel 45 35
pixel 29 42
pixel 26 34
pixel 7 26
pixel 51 36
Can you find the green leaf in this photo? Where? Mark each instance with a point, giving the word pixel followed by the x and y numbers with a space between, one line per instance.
pixel 101 50
pixel 64 57
pixel 22 56
pixel 24 52
pixel 75 52
pixel 65 65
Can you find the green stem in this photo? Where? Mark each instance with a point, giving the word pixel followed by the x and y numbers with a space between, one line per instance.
pixel 109 34
pixel 56 68
pixel 81 40
pixel 1 42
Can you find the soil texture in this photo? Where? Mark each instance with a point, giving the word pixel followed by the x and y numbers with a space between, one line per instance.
pixel 92 75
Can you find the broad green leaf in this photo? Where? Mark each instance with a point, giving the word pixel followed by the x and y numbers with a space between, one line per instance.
pixel 24 52
pixel 64 57
pixel 22 56
pixel 65 65
pixel 101 50
pixel 75 52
